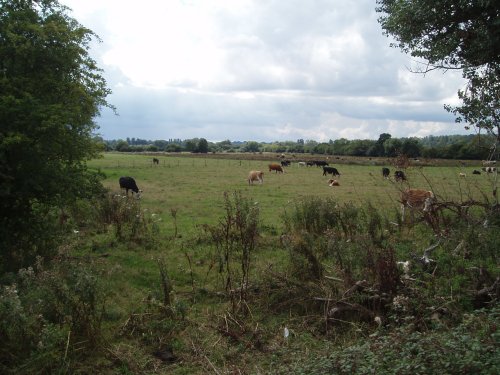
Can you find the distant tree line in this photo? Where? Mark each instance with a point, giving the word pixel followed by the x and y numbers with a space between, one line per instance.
pixel 445 146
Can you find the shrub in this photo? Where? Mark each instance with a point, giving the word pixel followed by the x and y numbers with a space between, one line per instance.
pixel 120 214
pixel 470 348
pixel 49 316
pixel 235 238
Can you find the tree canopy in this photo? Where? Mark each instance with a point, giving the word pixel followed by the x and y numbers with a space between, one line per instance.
pixel 50 92
pixel 452 34
pixel 446 33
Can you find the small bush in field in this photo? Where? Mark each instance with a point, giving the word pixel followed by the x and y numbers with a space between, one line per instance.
pixel 320 230
pixel 235 238
pixel 48 316
pixel 120 214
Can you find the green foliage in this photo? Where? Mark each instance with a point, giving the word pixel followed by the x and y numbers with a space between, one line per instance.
pixel 323 233
pixel 448 33
pixel 471 347
pixel 251 146
pixel 359 247
pixel 235 238
pixel 481 102
pixel 123 215
pixel 445 147
pixel 202 146
pixel 454 35
pixel 48 317
pixel 50 91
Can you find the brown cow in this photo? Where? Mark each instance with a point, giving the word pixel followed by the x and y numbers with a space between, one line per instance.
pixel 416 199
pixel 255 176
pixel 275 167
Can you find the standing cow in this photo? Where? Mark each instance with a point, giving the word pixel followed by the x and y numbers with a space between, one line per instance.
pixel 386 172
pixel 416 199
pixel 320 163
pixel 128 183
pixel 275 167
pixel 399 176
pixel 156 161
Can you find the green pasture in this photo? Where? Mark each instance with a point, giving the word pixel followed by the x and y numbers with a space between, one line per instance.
pixel 195 186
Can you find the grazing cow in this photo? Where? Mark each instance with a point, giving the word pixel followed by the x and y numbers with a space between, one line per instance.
pixel 333 182
pixel 330 170
pixel 156 161
pixel 285 163
pixel 301 163
pixel 463 175
pixel 275 167
pixel 416 199
pixel 310 163
pixel 475 171
pixel 399 176
pixel 128 183
pixel 255 176
pixel 320 163
pixel 386 172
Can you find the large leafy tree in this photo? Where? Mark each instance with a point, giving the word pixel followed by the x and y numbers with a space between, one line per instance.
pixel 50 92
pixel 454 34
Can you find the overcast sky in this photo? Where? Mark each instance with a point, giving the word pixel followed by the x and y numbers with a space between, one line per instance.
pixel 259 70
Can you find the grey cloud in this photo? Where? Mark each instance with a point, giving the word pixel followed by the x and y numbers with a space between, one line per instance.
pixel 321 68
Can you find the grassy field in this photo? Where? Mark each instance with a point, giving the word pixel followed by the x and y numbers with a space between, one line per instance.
pixel 193 187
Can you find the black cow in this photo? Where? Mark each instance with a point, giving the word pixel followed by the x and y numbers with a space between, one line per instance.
pixel 156 161
pixel 310 163
pixel 475 171
pixel 330 170
pixel 320 163
pixel 128 183
pixel 285 163
pixel 386 172
pixel 399 176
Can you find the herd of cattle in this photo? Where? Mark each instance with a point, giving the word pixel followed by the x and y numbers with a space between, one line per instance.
pixel 410 198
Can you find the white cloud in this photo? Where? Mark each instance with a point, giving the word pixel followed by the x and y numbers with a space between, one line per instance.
pixel 263 70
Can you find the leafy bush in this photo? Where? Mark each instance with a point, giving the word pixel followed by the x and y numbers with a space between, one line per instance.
pixel 122 215
pixel 49 316
pixel 470 348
